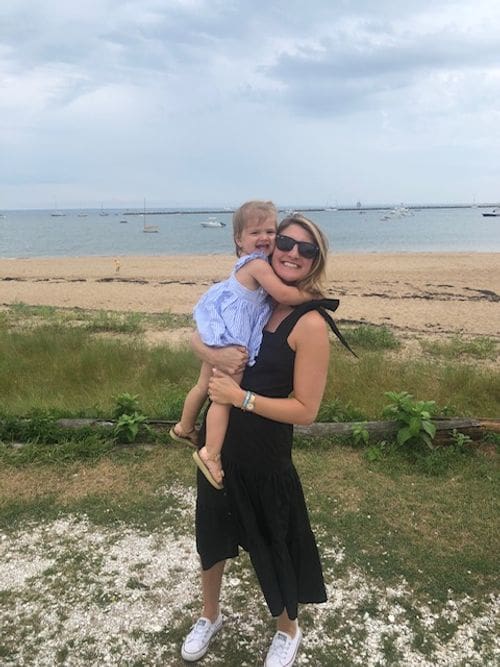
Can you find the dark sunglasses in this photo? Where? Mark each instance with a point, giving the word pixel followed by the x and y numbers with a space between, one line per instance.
pixel 306 249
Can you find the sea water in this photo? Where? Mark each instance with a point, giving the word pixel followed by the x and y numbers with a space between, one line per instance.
pixel 39 234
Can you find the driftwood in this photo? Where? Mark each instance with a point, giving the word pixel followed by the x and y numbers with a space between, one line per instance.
pixel 474 428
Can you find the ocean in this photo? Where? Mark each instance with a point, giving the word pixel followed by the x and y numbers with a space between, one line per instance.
pixel 78 234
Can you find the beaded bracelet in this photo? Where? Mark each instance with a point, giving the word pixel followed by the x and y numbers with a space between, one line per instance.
pixel 248 402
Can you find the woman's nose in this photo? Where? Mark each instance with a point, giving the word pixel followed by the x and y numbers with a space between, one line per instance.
pixel 294 252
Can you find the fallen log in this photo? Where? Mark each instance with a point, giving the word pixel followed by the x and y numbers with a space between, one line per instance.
pixel 474 428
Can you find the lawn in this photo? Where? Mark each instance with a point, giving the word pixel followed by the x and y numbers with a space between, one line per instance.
pixel 99 565
pixel 98 562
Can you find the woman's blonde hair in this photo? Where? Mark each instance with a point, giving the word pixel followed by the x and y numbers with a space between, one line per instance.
pixel 256 208
pixel 314 282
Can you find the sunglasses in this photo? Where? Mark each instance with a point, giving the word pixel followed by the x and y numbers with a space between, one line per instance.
pixel 306 250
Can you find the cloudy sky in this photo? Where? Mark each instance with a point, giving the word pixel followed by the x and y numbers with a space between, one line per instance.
pixel 212 102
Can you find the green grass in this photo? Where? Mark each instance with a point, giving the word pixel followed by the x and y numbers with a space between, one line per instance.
pixel 392 522
pixel 481 347
pixel 370 337
pixel 393 519
pixel 19 315
pixel 60 360
pixel 460 389
pixel 69 370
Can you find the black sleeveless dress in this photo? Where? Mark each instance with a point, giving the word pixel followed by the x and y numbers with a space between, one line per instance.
pixel 262 507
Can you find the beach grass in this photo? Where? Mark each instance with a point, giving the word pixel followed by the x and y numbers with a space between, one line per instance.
pixel 76 363
pixel 480 347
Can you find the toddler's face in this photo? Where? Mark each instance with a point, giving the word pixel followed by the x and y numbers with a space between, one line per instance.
pixel 259 234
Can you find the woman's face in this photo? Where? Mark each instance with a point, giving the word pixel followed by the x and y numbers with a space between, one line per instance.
pixel 289 265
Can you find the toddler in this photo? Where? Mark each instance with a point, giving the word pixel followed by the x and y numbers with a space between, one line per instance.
pixel 234 312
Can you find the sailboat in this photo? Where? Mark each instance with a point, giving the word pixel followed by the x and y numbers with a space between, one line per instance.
pixel 56 213
pixel 148 229
pixel 103 212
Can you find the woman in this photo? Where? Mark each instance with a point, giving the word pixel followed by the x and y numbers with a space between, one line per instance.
pixel 262 506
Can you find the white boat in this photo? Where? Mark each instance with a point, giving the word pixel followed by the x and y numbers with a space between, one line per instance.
pixel 148 229
pixel 212 222
pixel 397 212
pixel 82 215
pixel 495 213
pixel 103 212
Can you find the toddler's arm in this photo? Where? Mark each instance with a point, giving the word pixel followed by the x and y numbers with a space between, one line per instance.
pixel 262 272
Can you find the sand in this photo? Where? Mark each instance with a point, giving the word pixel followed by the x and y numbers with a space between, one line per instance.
pixel 415 292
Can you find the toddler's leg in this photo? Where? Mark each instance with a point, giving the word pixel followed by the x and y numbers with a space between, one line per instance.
pixel 208 458
pixel 196 397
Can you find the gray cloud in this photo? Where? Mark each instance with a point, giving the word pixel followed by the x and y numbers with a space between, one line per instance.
pixel 211 95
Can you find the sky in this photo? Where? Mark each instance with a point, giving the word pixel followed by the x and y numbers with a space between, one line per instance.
pixel 214 102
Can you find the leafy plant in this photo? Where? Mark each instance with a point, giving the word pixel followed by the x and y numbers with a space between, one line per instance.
pixel 127 427
pixel 335 410
pixel 360 435
pixel 460 440
pixel 126 404
pixel 377 451
pixel 129 418
pixel 413 417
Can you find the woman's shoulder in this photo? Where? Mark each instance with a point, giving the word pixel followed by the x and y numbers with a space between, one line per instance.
pixel 310 326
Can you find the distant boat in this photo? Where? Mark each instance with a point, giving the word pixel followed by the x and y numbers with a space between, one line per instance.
pixel 148 229
pixel 103 212
pixel 82 215
pixel 397 212
pixel 495 213
pixel 212 222
pixel 123 222
pixel 56 213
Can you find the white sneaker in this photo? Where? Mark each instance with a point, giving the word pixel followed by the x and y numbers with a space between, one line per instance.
pixel 283 649
pixel 196 643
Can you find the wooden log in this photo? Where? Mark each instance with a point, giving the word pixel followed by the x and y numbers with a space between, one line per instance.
pixel 474 428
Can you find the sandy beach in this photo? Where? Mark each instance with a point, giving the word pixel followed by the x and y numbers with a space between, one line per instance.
pixel 414 292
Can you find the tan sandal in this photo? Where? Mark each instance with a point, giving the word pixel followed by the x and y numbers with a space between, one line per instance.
pixel 206 471
pixel 190 438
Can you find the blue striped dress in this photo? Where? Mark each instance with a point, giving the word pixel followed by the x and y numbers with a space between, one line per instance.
pixel 231 314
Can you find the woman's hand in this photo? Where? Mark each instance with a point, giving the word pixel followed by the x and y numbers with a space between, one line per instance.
pixel 231 359
pixel 223 389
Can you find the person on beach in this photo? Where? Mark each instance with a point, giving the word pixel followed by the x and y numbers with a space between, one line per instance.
pixel 262 507
pixel 234 312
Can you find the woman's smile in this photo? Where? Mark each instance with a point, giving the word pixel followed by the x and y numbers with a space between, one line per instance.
pixel 289 265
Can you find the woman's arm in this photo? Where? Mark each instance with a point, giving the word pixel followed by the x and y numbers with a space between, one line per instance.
pixel 231 359
pixel 261 271
pixel 309 339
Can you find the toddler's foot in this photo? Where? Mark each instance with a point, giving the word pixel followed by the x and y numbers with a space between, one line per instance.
pixel 210 466
pixel 187 437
